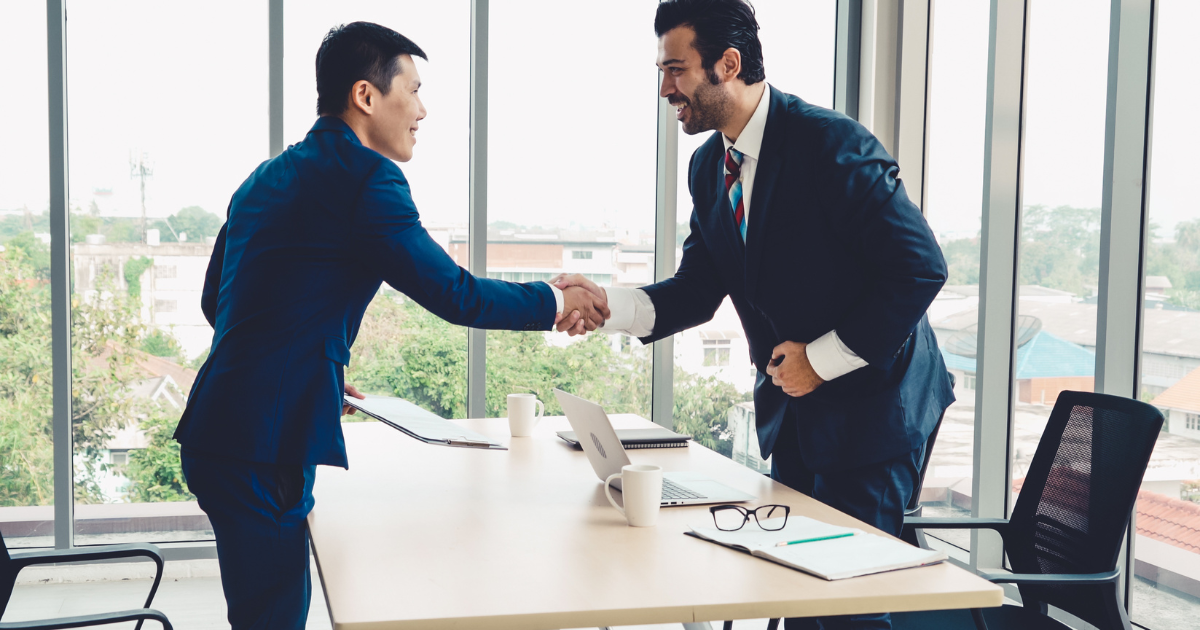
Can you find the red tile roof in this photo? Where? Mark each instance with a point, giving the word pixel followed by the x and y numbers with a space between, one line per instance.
pixel 1183 395
pixel 1163 518
pixel 1173 521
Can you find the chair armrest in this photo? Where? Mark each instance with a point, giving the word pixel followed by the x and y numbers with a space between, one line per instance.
pixel 93 554
pixel 80 621
pixel 928 522
pixel 88 554
pixel 1052 579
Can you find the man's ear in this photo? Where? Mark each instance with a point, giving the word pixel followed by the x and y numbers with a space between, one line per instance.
pixel 363 97
pixel 730 64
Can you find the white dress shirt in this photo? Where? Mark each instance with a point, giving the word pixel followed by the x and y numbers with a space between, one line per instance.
pixel 633 310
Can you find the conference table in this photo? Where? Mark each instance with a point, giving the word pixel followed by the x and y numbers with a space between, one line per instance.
pixel 415 535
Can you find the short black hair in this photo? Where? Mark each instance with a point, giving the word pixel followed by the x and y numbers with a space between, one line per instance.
pixel 719 26
pixel 359 51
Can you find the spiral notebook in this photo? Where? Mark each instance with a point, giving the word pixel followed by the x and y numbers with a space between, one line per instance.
pixel 832 552
pixel 657 437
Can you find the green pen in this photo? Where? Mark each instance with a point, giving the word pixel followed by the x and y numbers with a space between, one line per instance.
pixel 797 542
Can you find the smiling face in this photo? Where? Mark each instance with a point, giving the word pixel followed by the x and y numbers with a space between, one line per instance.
pixel 391 126
pixel 701 104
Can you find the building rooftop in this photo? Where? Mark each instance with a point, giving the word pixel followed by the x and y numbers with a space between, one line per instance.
pixel 1173 521
pixel 1175 333
pixel 1183 395
pixel 1045 356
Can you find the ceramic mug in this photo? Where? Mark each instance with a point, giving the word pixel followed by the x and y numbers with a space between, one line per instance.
pixel 521 416
pixel 641 487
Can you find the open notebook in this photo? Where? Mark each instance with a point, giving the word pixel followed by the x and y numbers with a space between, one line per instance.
pixel 833 559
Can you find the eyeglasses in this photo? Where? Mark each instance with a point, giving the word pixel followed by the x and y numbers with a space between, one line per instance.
pixel 730 518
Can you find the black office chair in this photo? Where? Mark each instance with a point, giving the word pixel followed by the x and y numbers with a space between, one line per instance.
pixel 12 564
pixel 1069 521
pixel 908 534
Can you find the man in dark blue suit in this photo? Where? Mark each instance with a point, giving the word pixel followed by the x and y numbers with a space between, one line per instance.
pixel 310 237
pixel 799 219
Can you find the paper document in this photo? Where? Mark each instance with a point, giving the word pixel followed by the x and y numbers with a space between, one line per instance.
pixel 832 559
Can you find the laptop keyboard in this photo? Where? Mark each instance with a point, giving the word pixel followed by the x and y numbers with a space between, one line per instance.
pixel 674 491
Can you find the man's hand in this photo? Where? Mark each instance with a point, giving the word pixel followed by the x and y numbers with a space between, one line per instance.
pixel 564 281
pixel 592 310
pixel 347 410
pixel 791 370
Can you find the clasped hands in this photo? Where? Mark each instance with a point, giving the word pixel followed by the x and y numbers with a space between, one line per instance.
pixel 791 371
pixel 585 305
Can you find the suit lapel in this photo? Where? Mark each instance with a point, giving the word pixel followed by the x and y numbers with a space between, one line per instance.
pixel 770 163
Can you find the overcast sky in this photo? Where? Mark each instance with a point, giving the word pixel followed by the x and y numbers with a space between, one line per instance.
pixel 573 97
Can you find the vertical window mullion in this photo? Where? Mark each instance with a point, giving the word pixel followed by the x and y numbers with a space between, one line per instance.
pixel 60 276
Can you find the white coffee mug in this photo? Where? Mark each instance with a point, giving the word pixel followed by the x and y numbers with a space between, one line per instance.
pixel 641 488
pixel 521 418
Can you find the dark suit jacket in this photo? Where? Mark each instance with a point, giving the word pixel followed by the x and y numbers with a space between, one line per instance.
pixel 833 244
pixel 311 235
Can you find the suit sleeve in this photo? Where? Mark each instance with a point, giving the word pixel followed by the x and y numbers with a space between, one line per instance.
pixel 387 237
pixel 693 295
pixel 212 279
pixel 871 214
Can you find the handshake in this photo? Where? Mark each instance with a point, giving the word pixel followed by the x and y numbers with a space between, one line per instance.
pixel 585 305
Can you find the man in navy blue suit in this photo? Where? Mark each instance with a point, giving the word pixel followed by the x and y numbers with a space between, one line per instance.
pixel 799 219
pixel 310 237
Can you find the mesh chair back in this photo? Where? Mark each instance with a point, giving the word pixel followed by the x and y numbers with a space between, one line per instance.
pixel 1076 500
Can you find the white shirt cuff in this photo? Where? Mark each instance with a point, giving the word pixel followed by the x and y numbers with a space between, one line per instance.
pixel 632 312
pixel 830 358
pixel 559 303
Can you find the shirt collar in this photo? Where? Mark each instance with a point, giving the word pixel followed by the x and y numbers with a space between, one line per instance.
pixel 334 123
pixel 749 143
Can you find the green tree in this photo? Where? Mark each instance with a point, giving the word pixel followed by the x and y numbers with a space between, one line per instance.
pixel 161 344
pixel 104 334
pixel 194 221
pixel 403 350
pixel 155 473
pixel 962 260
pixel 134 268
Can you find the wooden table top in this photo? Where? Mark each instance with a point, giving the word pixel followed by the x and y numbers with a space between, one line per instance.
pixel 421 536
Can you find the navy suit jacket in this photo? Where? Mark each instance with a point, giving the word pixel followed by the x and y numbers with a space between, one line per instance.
pixel 310 236
pixel 833 243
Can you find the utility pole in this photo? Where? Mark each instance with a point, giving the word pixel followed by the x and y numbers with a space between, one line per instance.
pixel 142 169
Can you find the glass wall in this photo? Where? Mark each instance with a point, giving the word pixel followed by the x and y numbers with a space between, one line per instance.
pixel 26 408
pixel 714 377
pixel 1166 590
pixel 164 126
pixel 571 186
pixel 402 349
pixel 1059 252
pixel 954 195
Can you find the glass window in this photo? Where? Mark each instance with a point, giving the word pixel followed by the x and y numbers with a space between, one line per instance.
pixel 26 407
pixel 148 194
pixel 953 207
pixel 1060 223
pixel 571 185
pixel 1166 590
pixel 402 349
pixel 713 386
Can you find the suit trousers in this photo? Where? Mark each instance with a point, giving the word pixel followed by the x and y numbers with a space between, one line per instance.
pixel 876 494
pixel 258 514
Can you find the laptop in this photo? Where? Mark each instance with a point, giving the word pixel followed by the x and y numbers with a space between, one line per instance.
pixel 607 456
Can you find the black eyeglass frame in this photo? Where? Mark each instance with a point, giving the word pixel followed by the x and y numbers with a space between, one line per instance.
pixel 746 514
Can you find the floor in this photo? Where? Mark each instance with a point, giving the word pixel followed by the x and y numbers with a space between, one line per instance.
pixel 190 596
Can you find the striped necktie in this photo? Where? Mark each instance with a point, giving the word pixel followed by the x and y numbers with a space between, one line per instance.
pixel 733 188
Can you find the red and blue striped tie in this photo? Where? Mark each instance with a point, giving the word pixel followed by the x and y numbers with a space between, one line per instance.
pixel 733 188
